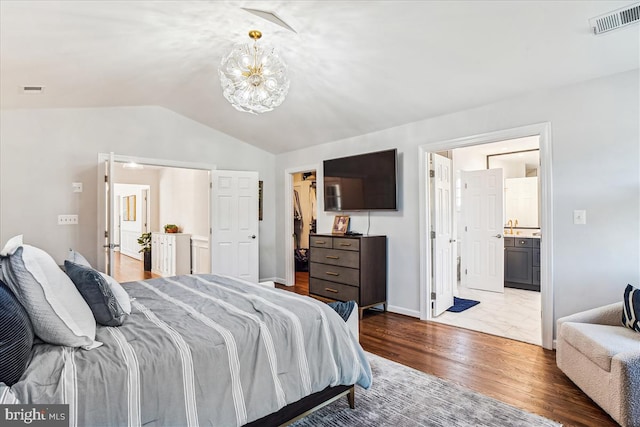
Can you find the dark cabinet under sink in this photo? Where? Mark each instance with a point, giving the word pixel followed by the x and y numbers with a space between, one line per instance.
pixel 522 263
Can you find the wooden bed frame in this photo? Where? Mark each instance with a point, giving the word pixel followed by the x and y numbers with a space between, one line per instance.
pixel 306 406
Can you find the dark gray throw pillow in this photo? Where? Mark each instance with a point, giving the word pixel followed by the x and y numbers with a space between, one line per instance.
pixel 16 337
pixel 97 293
pixel 631 308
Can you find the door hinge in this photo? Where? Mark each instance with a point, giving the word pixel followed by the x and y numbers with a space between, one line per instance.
pixel 211 185
pixel 465 228
pixel 465 185
pixel 433 295
pixel 433 305
pixel 432 173
pixel 465 271
pixel 433 234
pixel 106 178
pixel 106 234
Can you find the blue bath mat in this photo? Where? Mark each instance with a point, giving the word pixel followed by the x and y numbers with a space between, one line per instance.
pixel 461 304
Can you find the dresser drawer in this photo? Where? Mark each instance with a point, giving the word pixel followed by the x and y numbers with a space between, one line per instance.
pixel 336 257
pixel 346 244
pixel 333 290
pixel 334 273
pixel 320 242
pixel 508 241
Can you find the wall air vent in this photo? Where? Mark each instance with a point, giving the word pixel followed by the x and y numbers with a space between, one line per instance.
pixel 34 90
pixel 617 19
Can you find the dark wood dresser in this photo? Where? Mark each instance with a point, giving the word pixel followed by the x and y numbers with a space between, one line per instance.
pixel 344 268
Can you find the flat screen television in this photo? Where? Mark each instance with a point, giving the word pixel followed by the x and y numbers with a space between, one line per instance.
pixel 361 183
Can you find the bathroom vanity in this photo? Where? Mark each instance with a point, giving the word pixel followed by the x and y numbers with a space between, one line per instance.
pixel 522 262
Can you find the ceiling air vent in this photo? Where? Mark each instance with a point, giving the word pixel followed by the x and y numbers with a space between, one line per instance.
pixel 35 90
pixel 617 19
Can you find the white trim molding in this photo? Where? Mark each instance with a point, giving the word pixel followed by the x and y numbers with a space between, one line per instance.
pixel 543 130
pixel 405 311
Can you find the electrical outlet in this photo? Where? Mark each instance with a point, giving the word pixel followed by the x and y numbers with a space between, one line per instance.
pixel 67 219
pixel 580 217
pixel 77 187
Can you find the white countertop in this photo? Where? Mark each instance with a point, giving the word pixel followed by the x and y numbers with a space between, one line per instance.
pixel 528 233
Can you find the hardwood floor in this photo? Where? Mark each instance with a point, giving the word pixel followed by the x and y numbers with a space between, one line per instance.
pixel 127 269
pixel 517 373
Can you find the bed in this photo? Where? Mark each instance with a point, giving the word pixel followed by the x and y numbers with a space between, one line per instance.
pixel 200 350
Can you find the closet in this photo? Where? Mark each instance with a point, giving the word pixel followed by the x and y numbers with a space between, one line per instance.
pixel 304 216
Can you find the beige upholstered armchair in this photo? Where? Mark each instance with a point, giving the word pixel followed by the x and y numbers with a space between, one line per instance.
pixel 602 357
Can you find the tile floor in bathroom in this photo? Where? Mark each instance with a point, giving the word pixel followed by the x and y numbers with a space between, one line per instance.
pixel 513 314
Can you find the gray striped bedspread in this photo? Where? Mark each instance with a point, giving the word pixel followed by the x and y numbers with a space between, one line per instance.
pixel 197 350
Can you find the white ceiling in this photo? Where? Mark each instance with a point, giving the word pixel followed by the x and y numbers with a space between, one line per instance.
pixel 356 66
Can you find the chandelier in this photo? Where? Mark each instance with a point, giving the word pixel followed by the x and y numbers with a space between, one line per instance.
pixel 254 77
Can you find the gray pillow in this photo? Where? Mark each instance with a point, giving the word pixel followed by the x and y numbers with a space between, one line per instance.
pixel 57 311
pixel 97 293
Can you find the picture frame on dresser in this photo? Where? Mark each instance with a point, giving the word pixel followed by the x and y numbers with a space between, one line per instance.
pixel 340 225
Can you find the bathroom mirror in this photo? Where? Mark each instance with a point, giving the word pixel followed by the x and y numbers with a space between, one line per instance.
pixel 521 186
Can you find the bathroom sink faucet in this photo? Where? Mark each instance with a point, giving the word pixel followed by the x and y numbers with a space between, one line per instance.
pixel 510 224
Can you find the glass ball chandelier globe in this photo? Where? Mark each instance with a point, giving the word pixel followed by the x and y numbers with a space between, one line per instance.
pixel 254 77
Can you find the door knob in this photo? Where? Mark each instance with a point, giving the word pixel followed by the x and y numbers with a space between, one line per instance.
pixel 253 236
pixel 499 236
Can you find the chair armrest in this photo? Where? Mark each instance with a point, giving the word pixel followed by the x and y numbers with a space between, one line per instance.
pixel 606 315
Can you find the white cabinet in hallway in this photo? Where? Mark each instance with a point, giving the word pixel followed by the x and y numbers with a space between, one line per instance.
pixel 170 254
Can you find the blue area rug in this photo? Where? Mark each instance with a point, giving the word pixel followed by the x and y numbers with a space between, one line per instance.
pixel 461 304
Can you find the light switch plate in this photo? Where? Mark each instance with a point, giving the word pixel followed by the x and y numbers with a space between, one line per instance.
pixel 580 217
pixel 67 219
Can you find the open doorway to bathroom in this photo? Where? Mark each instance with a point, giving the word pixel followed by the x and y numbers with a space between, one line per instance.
pixel 473 241
pixel 510 302
pixel 304 222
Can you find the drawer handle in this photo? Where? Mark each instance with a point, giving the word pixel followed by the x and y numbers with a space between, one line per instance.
pixel 335 291
pixel 345 244
pixel 331 273
pixel 320 242
pixel 332 257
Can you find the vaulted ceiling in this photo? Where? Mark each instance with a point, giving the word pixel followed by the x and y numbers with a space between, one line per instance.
pixel 355 66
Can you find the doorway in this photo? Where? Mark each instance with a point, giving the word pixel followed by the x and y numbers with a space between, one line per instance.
pixel 147 197
pixel 301 195
pixel 428 268
pixel 304 222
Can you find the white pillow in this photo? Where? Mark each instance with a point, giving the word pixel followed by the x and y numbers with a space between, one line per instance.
pixel 77 258
pixel 119 293
pixel 57 311
pixel 11 246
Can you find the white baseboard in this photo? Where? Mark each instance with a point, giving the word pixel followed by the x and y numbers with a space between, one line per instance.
pixel 402 310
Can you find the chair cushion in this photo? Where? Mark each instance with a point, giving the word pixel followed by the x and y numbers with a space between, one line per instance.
pixel 599 343
pixel 631 308
pixel 16 337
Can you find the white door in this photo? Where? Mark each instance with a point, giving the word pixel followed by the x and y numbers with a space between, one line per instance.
pixel 443 259
pixel 110 217
pixel 146 221
pixel 234 240
pixel 483 226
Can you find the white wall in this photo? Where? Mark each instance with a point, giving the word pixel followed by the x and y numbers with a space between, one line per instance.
pixel 184 200
pixel 596 150
pixel 42 151
pixel 130 230
pixel 144 176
